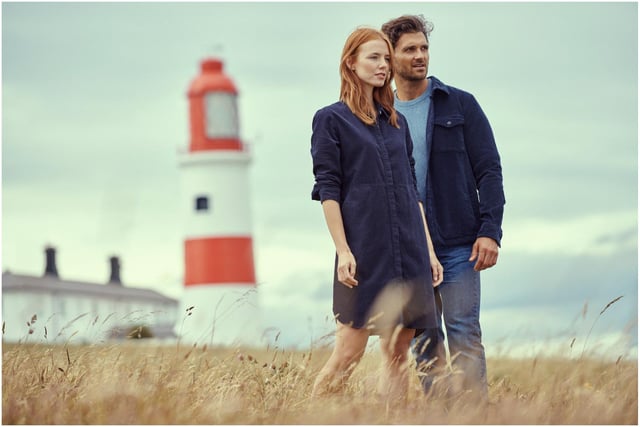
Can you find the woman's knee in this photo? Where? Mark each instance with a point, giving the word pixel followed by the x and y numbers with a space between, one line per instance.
pixel 350 344
pixel 349 354
pixel 396 347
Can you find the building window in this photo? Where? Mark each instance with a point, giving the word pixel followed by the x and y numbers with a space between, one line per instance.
pixel 221 115
pixel 202 203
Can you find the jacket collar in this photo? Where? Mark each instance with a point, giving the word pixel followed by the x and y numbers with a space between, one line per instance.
pixel 438 85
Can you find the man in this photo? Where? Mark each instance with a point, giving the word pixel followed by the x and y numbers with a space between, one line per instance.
pixel 460 184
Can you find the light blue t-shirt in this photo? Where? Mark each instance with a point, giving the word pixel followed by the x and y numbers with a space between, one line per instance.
pixel 416 111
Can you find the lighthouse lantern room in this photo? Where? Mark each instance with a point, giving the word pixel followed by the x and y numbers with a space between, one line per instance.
pixel 220 299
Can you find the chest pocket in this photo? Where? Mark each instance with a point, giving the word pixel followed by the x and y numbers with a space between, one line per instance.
pixel 448 134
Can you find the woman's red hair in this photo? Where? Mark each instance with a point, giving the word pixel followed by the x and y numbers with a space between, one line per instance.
pixel 351 87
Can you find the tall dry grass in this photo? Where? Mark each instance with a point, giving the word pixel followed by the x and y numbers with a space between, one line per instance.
pixel 134 383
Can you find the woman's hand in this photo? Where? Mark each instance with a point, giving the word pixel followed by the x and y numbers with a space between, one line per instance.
pixel 347 269
pixel 437 271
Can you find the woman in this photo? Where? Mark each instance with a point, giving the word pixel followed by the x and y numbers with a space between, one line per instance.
pixel 364 177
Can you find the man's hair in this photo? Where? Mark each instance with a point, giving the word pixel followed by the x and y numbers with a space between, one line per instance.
pixel 395 28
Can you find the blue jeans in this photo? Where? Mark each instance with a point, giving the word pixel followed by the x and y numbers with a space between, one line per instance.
pixel 458 301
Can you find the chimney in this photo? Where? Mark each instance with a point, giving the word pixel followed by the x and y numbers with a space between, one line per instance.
pixel 50 267
pixel 115 271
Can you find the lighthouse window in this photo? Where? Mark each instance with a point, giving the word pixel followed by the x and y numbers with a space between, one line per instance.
pixel 222 115
pixel 202 203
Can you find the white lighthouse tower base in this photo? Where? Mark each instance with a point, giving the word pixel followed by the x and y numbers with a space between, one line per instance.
pixel 221 315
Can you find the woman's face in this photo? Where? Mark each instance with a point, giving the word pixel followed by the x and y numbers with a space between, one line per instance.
pixel 372 63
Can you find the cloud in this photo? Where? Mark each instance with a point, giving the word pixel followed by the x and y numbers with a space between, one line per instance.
pixel 587 234
pixel 562 329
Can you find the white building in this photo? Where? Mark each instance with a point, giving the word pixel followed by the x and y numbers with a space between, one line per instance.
pixel 48 308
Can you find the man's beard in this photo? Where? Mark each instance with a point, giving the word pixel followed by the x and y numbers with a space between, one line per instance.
pixel 412 76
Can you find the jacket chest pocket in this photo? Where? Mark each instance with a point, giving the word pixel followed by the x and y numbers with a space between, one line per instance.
pixel 448 134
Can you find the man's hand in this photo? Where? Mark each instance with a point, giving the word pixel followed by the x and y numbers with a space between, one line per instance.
pixel 485 250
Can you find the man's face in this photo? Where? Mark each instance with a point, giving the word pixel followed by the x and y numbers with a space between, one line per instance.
pixel 411 56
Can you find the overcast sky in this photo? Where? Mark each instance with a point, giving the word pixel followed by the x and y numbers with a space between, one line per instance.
pixel 94 111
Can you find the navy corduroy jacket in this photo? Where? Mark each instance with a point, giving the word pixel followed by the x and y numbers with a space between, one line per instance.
pixel 465 196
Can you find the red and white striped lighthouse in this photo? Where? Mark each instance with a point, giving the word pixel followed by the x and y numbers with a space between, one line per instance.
pixel 219 276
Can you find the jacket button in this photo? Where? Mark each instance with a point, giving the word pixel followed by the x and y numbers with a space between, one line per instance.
pixel 449 123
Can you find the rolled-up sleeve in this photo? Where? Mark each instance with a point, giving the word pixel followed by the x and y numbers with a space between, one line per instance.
pixel 325 153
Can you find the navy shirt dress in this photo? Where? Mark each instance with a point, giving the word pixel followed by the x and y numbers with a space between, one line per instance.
pixel 369 171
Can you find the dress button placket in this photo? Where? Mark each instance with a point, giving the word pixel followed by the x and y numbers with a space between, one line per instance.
pixel 393 208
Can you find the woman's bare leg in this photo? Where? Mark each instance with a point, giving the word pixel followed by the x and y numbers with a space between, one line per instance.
pixel 394 381
pixel 349 348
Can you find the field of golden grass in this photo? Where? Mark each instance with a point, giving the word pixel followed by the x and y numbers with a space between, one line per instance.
pixel 138 383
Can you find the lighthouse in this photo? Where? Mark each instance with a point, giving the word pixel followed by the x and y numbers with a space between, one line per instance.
pixel 220 304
